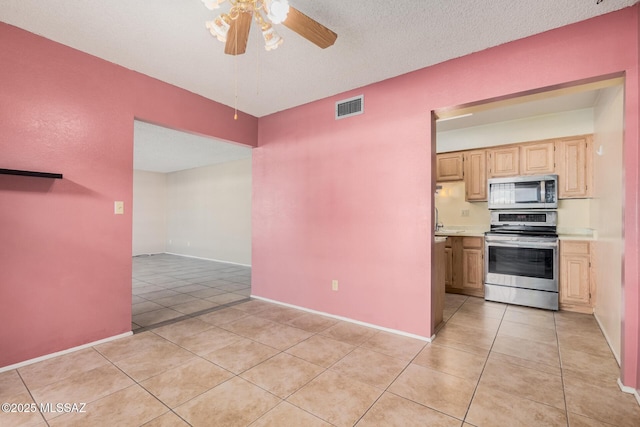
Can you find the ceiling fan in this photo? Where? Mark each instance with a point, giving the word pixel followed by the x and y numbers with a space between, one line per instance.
pixel 232 28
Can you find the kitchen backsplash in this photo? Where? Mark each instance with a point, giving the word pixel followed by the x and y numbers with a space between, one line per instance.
pixel 451 207
pixel 454 211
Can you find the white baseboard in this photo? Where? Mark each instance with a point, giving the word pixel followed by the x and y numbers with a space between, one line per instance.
pixel 209 259
pixel 629 390
pixel 62 352
pixel 346 319
pixel 606 337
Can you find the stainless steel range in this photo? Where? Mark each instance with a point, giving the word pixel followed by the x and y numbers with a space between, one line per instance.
pixel 521 256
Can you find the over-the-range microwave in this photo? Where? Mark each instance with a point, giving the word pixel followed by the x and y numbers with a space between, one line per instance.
pixel 523 192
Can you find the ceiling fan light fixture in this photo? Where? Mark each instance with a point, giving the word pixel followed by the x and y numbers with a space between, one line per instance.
pixel 271 38
pixel 277 10
pixel 212 4
pixel 219 27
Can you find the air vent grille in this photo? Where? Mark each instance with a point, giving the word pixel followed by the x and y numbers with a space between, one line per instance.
pixel 350 107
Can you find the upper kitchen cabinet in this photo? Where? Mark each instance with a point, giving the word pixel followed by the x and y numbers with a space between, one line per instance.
pixel 574 165
pixel 475 175
pixel 503 161
pixel 449 167
pixel 537 159
pixel 570 158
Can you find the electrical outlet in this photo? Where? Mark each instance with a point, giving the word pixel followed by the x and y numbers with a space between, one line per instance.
pixel 465 212
pixel 334 285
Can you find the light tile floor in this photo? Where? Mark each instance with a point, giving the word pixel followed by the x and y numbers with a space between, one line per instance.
pixel 261 364
pixel 169 287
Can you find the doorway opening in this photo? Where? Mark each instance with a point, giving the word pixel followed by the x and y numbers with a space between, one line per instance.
pixel 589 110
pixel 191 233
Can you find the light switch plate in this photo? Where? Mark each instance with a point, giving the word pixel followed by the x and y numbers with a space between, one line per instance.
pixel 118 207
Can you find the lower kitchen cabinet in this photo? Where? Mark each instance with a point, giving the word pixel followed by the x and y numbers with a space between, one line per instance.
pixel 464 265
pixel 576 278
pixel 437 287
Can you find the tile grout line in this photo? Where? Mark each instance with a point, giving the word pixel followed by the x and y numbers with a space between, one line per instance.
pixel 32 397
pixel 189 316
pixel 238 375
pixel 564 393
pixel 140 385
pixel 475 389
pixel 386 390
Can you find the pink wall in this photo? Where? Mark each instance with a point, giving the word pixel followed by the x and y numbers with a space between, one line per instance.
pixel 351 199
pixel 65 259
pixel 347 200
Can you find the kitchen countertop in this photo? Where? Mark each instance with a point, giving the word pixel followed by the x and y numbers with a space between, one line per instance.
pixel 576 237
pixel 453 231
pixel 569 233
pixel 564 233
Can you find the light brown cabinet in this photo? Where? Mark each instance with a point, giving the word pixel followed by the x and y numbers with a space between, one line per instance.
pixel 449 167
pixel 576 284
pixel 438 286
pixel 448 264
pixel 464 265
pixel 574 167
pixel 504 161
pixel 475 175
pixel 570 158
pixel 537 159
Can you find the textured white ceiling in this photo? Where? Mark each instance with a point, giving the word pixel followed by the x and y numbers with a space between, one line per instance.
pixel 158 149
pixel 167 39
pixel 550 105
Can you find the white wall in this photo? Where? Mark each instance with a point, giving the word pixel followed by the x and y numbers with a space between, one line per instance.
pixel 607 212
pixel 209 212
pixel 149 212
pixel 577 122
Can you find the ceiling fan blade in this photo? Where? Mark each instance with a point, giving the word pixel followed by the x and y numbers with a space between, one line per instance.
pixel 309 29
pixel 238 34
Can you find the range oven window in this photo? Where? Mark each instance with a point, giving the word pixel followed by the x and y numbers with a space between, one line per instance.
pixel 525 262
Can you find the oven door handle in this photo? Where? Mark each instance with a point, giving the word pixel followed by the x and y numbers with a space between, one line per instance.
pixel 521 244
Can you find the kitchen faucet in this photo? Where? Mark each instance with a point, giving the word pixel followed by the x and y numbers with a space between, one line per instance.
pixel 438 226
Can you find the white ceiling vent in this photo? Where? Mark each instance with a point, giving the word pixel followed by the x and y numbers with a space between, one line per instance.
pixel 350 107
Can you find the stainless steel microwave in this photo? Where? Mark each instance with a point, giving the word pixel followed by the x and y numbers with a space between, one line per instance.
pixel 523 192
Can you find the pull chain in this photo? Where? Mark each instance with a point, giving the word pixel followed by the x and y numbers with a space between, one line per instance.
pixel 257 66
pixel 235 71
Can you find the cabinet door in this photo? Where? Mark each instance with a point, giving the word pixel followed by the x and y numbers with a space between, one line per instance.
pixel 448 267
pixel 473 266
pixel 575 280
pixel 449 167
pixel 537 159
pixel 472 272
pixel 452 273
pixel 573 165
pixel 475 175
pixel 504 162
